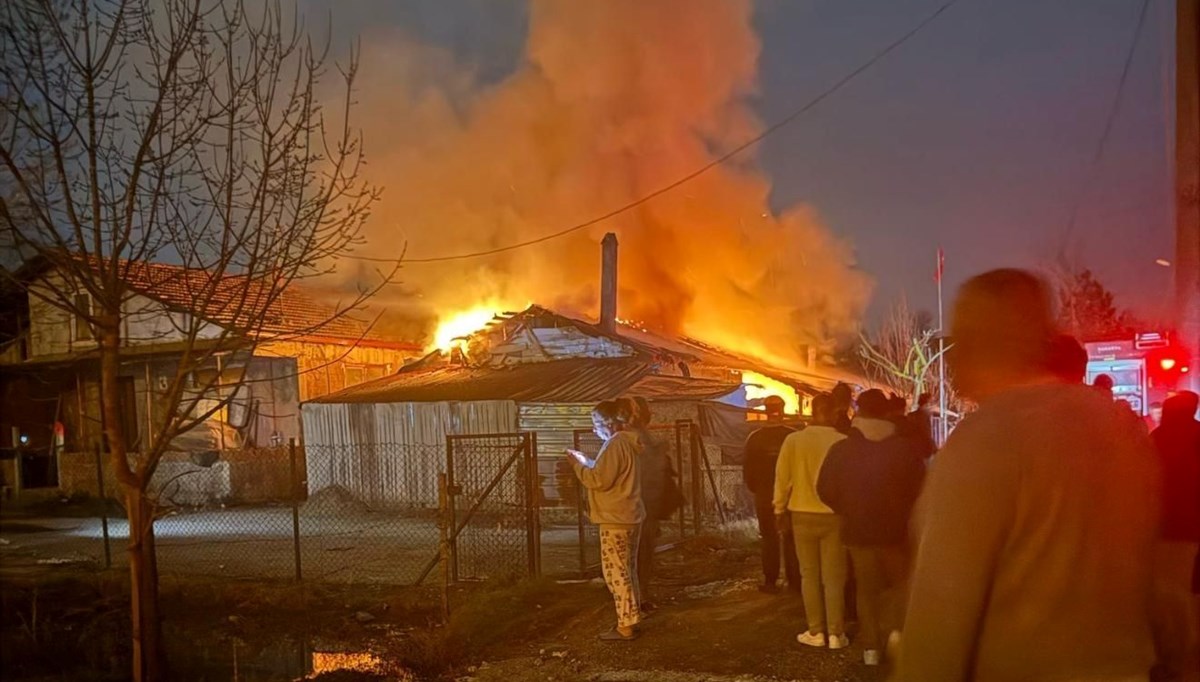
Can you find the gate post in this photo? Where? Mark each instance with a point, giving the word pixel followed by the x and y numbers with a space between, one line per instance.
pixel 533 526
pixel 579 513
pixel 697 484
pixel 679 472
pixel 444 543
pixel 451 516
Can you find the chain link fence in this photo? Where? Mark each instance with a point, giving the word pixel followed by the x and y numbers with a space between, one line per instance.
pixel 362 513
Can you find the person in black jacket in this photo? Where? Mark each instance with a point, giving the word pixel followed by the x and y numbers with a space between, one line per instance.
pixel 758 468
pixel 872 479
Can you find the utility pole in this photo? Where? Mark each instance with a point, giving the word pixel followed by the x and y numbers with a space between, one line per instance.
pixel 1187 178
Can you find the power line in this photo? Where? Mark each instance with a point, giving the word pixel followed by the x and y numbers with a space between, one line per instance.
pixel 838 85
pixel 1109 120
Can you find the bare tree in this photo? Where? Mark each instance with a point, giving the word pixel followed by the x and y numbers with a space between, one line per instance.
pixel 189 132
pixel 903 352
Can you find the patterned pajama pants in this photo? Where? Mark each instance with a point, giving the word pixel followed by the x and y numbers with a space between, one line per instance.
pixel 618 560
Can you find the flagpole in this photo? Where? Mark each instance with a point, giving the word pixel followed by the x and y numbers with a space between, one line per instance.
pixel 941 355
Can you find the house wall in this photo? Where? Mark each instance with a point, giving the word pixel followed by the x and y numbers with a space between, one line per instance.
pixel 325 368
pixel 53 331
pixel 389 454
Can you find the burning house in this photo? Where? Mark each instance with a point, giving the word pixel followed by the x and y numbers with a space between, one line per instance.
pixel 538 371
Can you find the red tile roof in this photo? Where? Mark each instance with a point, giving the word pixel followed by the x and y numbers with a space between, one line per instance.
pixel 267 311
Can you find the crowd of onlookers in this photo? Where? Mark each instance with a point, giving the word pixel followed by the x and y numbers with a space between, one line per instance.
pixel 1054 536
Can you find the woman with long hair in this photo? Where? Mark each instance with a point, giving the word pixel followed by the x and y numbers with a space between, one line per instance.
pixel 615 505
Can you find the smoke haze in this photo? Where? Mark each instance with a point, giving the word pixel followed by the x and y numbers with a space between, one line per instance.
pixel 610 101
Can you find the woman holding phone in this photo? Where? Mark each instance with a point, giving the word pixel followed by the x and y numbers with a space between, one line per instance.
pixel 615 505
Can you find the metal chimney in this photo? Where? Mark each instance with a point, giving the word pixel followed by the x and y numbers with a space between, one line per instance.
pixel 608 283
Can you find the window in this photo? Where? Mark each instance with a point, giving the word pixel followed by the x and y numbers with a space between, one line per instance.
pixel 83 328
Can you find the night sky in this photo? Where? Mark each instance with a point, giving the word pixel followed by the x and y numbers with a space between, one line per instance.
pixel 978 134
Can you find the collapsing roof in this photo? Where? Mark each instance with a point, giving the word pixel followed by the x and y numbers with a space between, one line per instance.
pixel 573 380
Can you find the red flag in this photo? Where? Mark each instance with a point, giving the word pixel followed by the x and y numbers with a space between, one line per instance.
pixel 941 265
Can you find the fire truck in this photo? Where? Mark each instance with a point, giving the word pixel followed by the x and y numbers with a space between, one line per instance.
pixel 1145 369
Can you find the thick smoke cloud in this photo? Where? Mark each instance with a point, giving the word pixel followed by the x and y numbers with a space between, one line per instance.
pixel 610 101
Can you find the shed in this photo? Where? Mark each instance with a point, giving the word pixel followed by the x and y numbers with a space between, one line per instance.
pixel 385 440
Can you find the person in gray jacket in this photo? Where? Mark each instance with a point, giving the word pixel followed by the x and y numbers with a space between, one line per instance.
pixel 615 505
pixel 1036 527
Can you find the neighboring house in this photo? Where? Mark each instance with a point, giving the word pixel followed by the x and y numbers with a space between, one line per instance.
pixel 537 371
pixel 49 389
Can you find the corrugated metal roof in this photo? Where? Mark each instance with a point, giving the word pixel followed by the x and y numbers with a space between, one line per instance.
pixel 577 380
pixel 580 380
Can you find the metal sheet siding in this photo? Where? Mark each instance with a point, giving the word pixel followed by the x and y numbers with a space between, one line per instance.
pixel 554 424
pixel 389 454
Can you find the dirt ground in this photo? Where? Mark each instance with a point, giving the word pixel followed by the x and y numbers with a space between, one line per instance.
pixel 713 625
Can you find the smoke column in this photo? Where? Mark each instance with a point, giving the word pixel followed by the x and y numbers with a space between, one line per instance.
pixel 611 101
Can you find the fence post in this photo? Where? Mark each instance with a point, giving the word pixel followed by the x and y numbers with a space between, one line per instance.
pixel 444 543
pixel 679 472
pixel 103 507
pixel 579 514
pixel 451 516
pixel 533 527
pixel 295 506
pixel 712 481
pixel 697 484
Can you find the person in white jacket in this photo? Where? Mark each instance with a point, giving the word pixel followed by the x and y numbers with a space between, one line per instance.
pixel 615 505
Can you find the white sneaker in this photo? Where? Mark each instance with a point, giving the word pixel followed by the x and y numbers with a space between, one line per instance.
pixel 871 657
pixel 839 641
pixel 811 638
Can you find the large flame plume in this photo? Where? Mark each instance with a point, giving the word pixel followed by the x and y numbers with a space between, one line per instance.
pixel 610 101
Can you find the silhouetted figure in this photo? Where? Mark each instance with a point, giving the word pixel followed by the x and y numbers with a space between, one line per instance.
pixel 657 472
pixel 1068 359
pixel 1104 384
pixel 816 529
pixel 758 467
pixel 871 482
pixel 919 426
pixel 1037 523
pixel 843 400
pixel 1178 444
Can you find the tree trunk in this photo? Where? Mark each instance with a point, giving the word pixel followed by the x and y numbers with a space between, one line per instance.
pixel 143 583
pixel 143 569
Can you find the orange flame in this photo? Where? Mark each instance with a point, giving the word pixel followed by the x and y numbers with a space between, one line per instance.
pixel 760 386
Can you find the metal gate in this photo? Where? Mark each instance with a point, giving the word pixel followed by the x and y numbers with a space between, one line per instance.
pixel 492 505
pixel 686 451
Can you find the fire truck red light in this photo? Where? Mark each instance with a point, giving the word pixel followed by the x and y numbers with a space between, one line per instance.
pixel 1167 363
